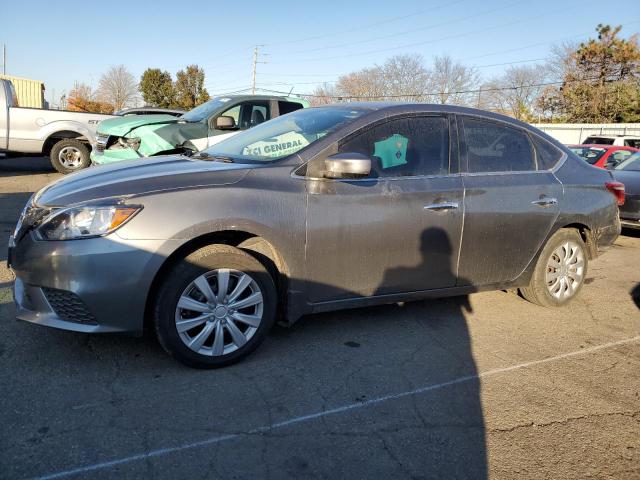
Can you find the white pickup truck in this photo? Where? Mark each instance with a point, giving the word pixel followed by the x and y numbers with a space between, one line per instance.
pixel 65 137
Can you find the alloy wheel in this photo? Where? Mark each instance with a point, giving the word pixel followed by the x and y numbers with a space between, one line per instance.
pixel 565 270
pixel 219 312
pixel 70 157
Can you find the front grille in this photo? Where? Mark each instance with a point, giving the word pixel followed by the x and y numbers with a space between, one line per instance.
pixel 68 306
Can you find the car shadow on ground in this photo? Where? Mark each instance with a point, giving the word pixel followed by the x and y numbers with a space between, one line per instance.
pixel 14 167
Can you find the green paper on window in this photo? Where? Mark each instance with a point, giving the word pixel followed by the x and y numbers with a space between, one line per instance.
pixel 392 151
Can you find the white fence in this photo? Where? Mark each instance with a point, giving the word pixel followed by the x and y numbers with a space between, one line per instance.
pixel 569 133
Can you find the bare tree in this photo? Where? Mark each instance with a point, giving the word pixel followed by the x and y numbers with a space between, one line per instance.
pixel 516 93
pixel 323 95
pixel 401 78
pixel 451 81
pixel 118 87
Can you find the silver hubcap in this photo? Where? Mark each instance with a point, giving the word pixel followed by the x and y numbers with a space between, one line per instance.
pixel 70 157
pixel 219 312
pixel 565 270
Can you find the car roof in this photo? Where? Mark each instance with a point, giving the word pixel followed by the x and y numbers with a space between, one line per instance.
pixel 393 108
pixel 604 147
pixel 261 97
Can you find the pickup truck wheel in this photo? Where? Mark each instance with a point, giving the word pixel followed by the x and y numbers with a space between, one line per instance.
pixel 215 307
pixel 69 155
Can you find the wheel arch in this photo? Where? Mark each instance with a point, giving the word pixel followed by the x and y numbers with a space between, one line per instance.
pixel 55 137
pixel 256 245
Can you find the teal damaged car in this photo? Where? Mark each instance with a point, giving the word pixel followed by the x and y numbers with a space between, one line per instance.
pixel 131 137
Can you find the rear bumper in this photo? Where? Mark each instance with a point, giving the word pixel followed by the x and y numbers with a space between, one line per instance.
pixel 630 223
pixel 604 237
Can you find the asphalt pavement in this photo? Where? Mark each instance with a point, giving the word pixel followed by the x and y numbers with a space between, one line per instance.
pixel 484 386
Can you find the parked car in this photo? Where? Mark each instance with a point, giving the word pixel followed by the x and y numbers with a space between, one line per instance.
pixel 603 156
pixel 65 137
pixel 134 137
pixel 322 209
pixel 149 111
pixel 616 140
pixel 628 173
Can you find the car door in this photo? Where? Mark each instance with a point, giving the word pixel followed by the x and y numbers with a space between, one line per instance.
pixel 245 115
pixel 510 202
pixel 397 230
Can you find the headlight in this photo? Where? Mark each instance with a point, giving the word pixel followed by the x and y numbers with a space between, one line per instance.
pixel 85 222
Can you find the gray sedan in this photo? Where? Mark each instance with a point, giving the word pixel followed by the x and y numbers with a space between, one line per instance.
pixel 321 209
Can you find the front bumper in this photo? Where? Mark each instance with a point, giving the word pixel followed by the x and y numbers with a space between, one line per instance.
pixel 106 278
pixel 112 156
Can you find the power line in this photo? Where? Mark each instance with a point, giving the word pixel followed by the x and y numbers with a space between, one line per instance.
pixel 429 94
pixel 436 40
pixel 368 25
pixel 408 32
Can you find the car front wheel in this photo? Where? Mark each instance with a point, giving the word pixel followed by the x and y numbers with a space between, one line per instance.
pixel 560 271
pixel 215 307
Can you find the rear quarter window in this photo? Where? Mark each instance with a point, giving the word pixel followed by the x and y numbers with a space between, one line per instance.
pixel 288 107
pixel 547 155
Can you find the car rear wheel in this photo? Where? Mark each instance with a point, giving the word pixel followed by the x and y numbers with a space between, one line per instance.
pixel 560 271
pixel 215 307
pixel 69 156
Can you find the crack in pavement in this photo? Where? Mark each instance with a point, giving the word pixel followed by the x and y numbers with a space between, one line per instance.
pixel 561 422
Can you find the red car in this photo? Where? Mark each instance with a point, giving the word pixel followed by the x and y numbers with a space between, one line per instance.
pixel 603 156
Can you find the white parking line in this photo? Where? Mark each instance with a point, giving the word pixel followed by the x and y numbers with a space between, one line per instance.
pixel 324 413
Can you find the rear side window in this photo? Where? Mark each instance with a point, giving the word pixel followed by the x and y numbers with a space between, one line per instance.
pixel 408 146
pixel 632 142
pixel 288 107
pixel 493 147
pixel 547 155
pixel 598 141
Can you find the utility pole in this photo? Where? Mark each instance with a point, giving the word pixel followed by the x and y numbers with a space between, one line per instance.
pixel 255 65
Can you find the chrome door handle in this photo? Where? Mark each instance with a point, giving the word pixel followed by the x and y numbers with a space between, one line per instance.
pixel 441 207
pixel 545 202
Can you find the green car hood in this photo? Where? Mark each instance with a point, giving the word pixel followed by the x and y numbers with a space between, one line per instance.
pixel 120 126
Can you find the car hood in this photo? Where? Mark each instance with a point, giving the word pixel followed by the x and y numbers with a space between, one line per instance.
pixel 137 177
pixel 120 126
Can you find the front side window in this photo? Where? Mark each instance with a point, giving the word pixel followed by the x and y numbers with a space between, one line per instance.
pixel 284 136
pixel 632 142
pixel 493 147
pixel 408 146
pixel 619 156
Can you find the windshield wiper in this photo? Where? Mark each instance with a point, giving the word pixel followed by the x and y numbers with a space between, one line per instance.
pixel 215 158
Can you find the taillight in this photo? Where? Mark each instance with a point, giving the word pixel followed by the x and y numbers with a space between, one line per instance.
pixel 617 189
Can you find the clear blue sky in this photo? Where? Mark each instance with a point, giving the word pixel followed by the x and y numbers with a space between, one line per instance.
pixel 304 42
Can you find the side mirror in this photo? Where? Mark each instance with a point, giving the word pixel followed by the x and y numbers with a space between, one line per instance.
pixel 224 123
pixel 347 165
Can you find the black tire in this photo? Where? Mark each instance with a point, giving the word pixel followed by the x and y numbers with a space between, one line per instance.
pixel 72 145
pixel 538 291
pixel 181 276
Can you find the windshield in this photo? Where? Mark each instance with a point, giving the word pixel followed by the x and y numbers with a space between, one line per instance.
pixel 285 135
pixel 630 164
pixel 204 111
pixel 589 154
